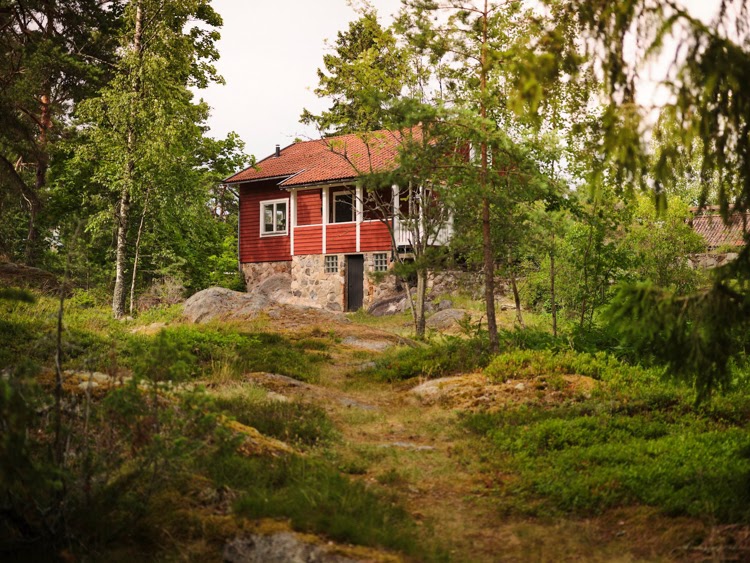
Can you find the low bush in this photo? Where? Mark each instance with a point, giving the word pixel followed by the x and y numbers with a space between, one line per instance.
pixel 447 356
pixel 202 349
pixel 301 423
pixel 530 363
pixel 638 439
pixel 316 498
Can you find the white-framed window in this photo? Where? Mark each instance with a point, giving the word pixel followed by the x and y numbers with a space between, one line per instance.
pixel 343 207
pixel 273 217
pixel 332 264
pixel 380 262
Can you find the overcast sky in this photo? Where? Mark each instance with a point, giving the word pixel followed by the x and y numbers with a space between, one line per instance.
pixel 270 53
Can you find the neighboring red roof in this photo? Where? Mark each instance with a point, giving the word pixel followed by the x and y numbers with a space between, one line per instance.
pixel 328 160
pixel 710 225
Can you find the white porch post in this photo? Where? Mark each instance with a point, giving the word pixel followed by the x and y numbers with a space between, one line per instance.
pixel 359 206
pixel 292 219
pixel 396 210
pixel 325 216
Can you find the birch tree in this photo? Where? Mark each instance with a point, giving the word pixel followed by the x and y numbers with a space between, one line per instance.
pixel 144 126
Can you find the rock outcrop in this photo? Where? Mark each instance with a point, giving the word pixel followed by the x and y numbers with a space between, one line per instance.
pixel 282 547
pixel 447 318
pixel 218 302
pixel 18 275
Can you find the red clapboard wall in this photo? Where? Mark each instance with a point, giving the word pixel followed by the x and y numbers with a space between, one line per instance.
pixel 309 208
pixel 374 236
pixel 308 240
pixel 341 238
pixel 253 247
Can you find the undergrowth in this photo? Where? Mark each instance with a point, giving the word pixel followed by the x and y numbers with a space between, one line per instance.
pixel 294 422
pixel 92 340
pixel 316 498
pixel 136 469
pixel 446 356
pixel 638 439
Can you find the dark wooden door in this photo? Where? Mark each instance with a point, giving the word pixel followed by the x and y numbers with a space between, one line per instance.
pixel 355 277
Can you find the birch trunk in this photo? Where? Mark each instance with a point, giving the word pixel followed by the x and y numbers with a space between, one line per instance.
pixel 487 250
pixel 552 273
pixel 138 253
pixel 123 206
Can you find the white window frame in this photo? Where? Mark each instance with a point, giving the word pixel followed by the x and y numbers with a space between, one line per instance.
pixel 333 258
pixel 335 195
pixel 274 202
pixel 375 262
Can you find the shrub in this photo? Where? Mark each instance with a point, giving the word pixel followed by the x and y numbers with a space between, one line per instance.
pixel 447 356
pixel 203 348
pixel 303 423
pixel 531 363
pixel 639 439
pixel 316 498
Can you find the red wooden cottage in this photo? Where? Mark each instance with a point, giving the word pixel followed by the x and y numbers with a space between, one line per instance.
pixel 304 213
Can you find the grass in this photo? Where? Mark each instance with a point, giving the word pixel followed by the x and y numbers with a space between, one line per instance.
pixel 525 363
pixel 134 465
pixel 634 443
pixel 637 440
pixel 316 498
pixel 93 340
pixel 295 422
pixel 446 356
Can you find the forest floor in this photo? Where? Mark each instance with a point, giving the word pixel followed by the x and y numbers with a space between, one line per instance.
pixel 447 477
pixel 373 446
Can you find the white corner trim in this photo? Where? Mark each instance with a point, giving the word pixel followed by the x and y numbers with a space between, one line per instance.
pixel 292 220
pixel 359 210
pixel 325 216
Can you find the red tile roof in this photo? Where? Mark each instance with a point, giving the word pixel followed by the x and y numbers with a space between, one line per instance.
pixel 709 224
pixel 328 160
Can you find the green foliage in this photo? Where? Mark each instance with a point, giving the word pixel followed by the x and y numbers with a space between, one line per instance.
pixel 222 267
pixel 12 294
pixel 699 338
pixel 294 422
pixel 134 455
pixel 532 363
pixel 662 243
pixel 363 76
pixel 636 440
pixel 93 340
pixel 119 454
pixel 55 54
pixel 316 498
pixel 199 350
pixel 447 356
pixel 701 151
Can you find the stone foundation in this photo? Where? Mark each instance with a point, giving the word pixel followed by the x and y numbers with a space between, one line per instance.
pixel 256 272
pixel 378 285
pixel 311 283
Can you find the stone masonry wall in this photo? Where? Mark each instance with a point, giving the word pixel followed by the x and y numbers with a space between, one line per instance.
pixel 254 273
pixel 380 285
pixel 310 282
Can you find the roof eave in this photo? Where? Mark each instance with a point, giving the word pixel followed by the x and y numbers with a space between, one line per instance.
pixel 264 179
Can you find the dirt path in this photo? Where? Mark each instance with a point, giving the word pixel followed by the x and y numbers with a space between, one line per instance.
pixel 447 479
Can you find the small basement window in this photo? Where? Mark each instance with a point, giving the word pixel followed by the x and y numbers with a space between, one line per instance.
pixel 273 217
pixel 380 262
pixel 332 264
